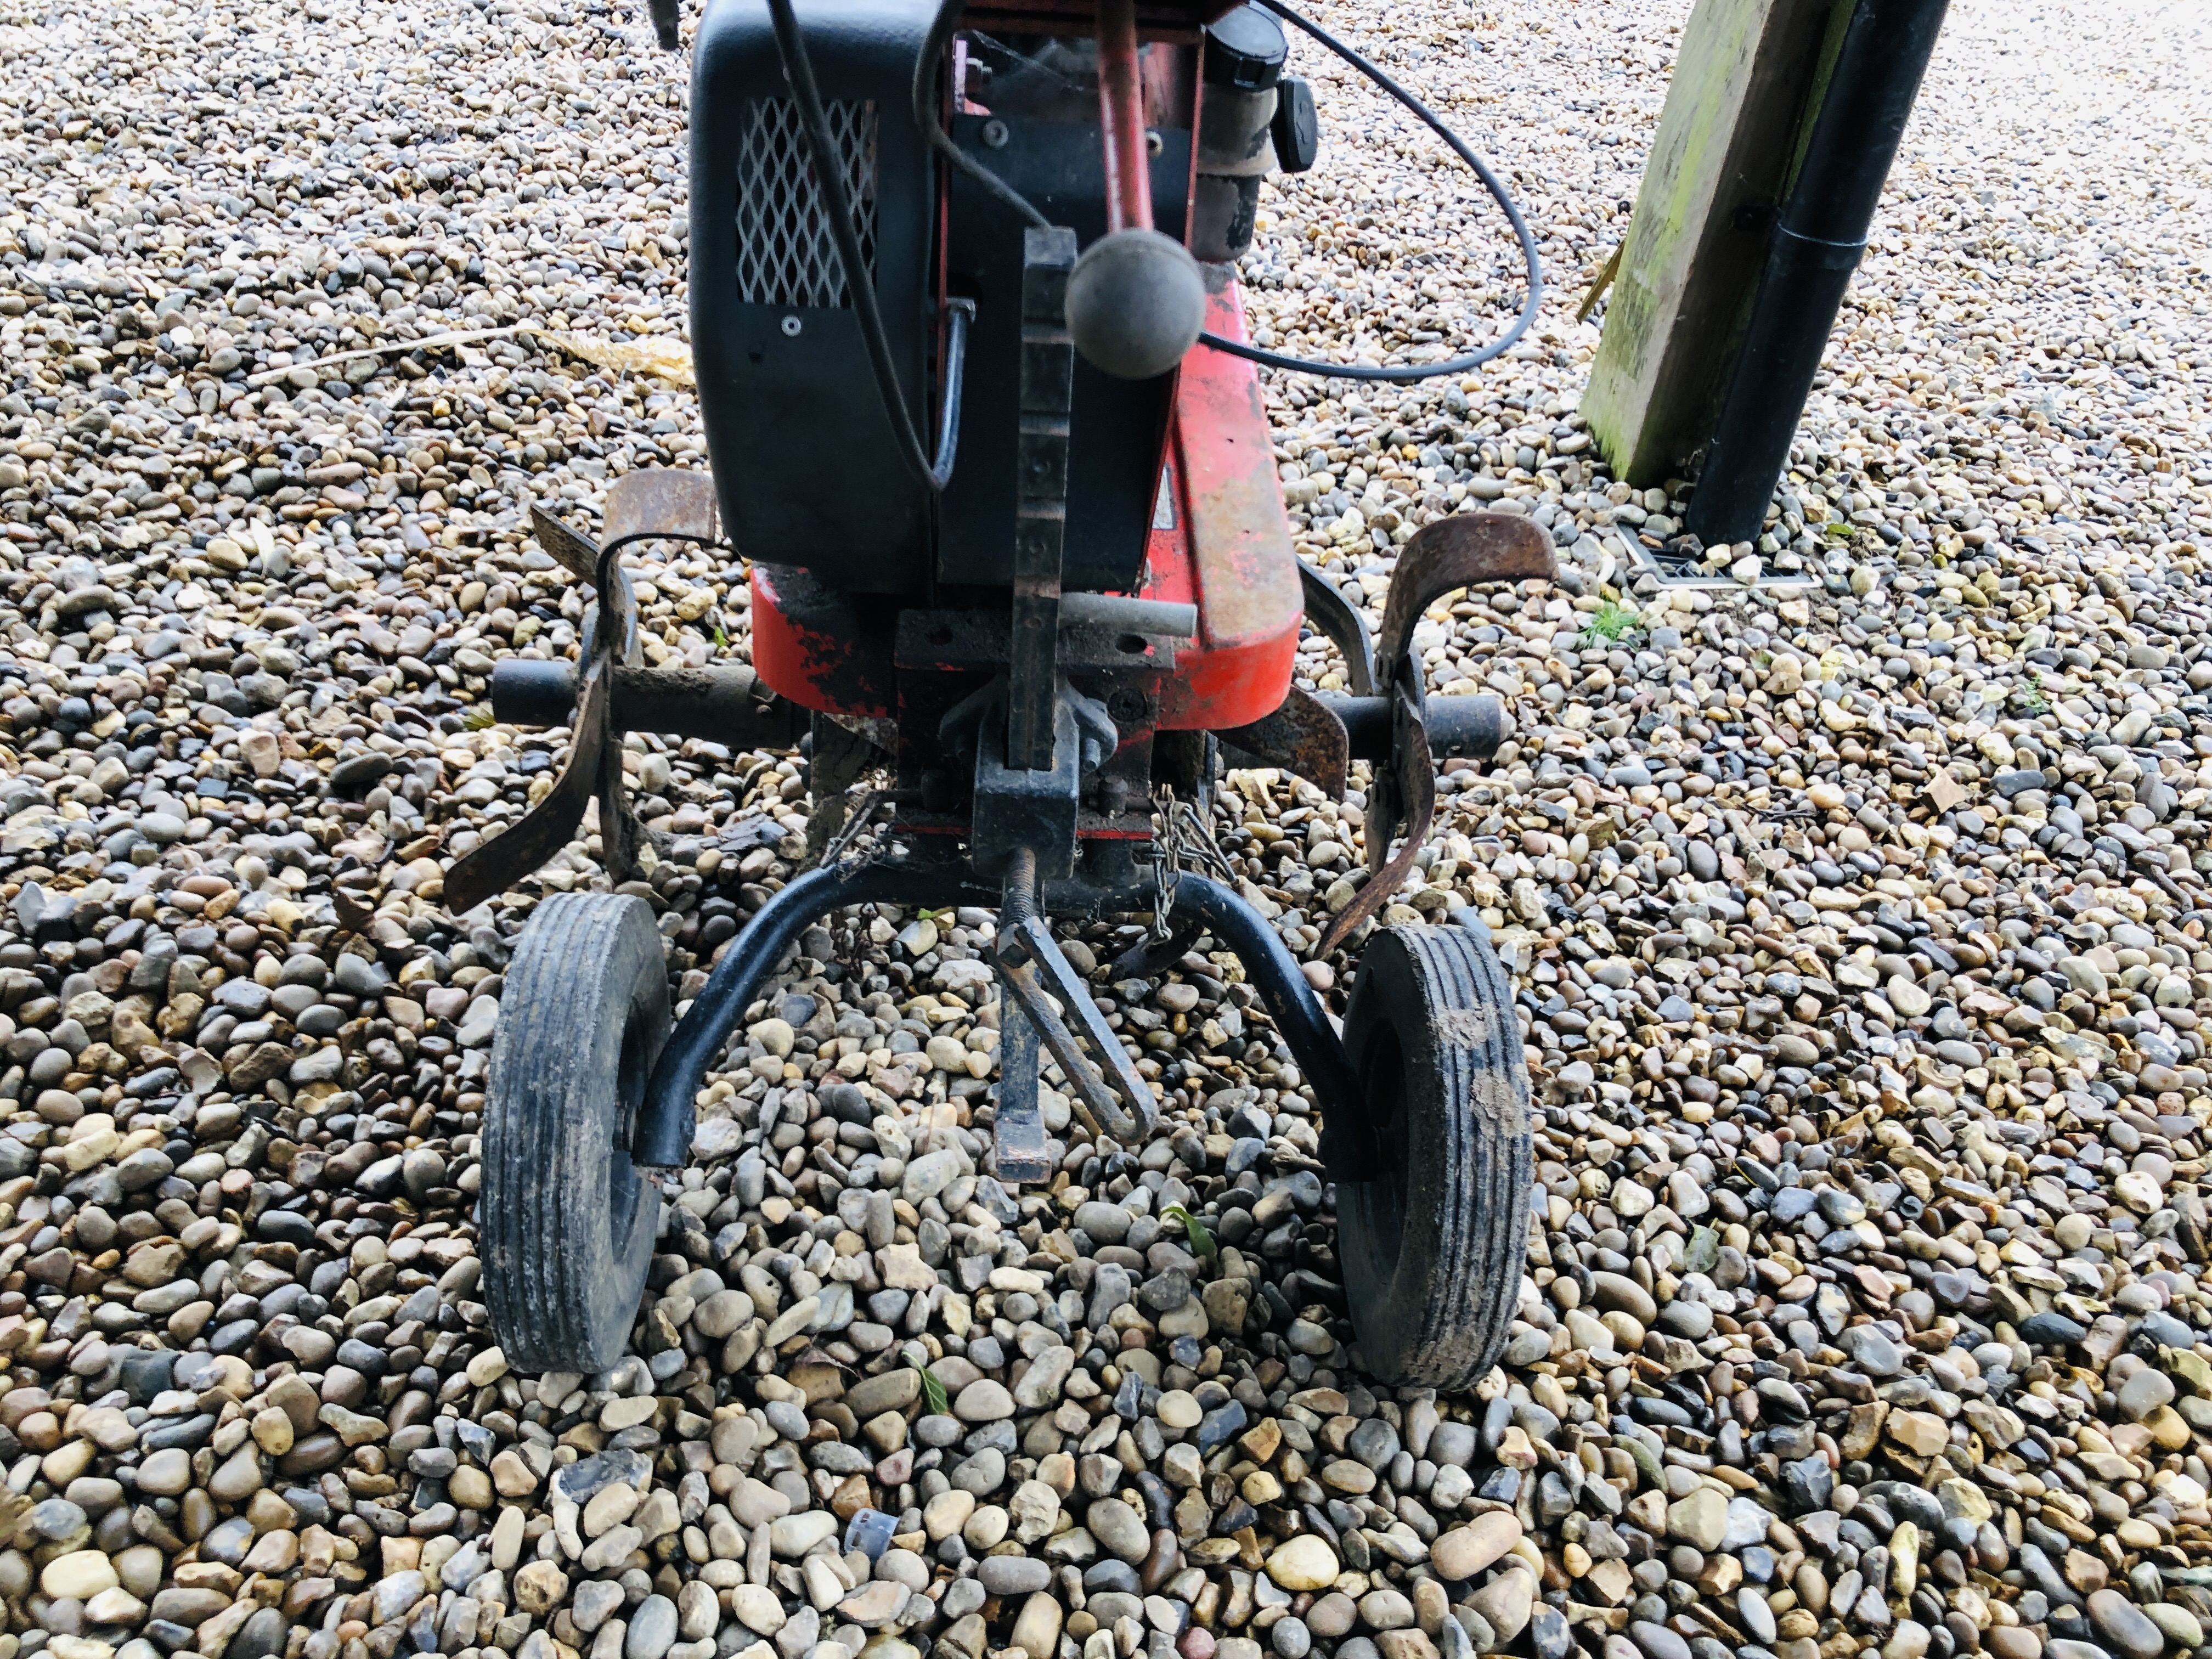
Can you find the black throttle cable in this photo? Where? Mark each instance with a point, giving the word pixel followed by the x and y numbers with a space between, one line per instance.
pixel 942 28
pixel 925 114
pixel 837 207
pixel 830 180
pixel 1529 306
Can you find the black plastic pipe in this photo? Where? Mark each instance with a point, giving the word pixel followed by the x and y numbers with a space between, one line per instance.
pixel 1471 725
pixel 721 705
pixel 1822 234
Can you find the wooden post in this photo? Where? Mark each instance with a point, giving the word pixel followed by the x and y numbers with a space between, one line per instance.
pixel 1745 83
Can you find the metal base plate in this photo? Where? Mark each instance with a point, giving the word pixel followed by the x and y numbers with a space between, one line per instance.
pixel 1678 566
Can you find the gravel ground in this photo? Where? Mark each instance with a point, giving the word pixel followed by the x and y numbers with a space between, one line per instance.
pixel 1860 928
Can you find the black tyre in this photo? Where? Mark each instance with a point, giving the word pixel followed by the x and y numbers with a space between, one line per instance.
pixel 568 1220
pixel 1433 1251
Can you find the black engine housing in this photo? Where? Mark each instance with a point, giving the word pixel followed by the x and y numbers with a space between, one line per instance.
pixel 807 465
pixel 805 462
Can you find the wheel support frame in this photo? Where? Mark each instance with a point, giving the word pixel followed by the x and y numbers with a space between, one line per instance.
pixel 668 1116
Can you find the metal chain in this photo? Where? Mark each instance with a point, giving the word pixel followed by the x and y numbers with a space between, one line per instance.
pixel 1167 859
pixel 1182 830
pixel 1208 849
pixel 856 819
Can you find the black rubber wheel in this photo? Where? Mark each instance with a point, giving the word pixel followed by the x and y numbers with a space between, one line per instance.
pixel 568 1220
pixel 1433 1251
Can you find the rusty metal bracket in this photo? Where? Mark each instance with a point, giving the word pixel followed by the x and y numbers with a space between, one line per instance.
pixel 1464 551
pixel 656 504
pixel 662 501
pixel 1303 736
pixel 491 868
pixel 573 551
pixel 1409 797
pixel 1149 958
pixel 622 835
pixel 840 758
pixel 578 554
pixel 1460 551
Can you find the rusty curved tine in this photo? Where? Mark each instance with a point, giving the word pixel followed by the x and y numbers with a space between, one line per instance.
pixel 1339 622
pixel 622 833
pixel 573 551
pixel 652 503
pixel 661 500
pixel 1460 551
pixel 657 501
pixel 1303 736
pixel 490 867
pixel 842 758
pixel 1150 957
pixel 1416 785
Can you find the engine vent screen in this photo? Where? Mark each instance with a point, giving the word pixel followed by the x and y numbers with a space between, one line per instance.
pixel 787 255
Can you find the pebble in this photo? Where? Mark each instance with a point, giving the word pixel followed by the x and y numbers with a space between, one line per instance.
pixel 984 1400
pixel 1505 1602
pixel 1119 1528
pixel 1305 1562
pixel 1013 1574
pixel 78 1575
pixel 2124 1627
pixel 1036 1628
pixel 1466 1551
pixel 652 1629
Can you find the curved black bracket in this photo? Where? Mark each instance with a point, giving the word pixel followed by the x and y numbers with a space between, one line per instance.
pixel 667 1118
pixel 1347 1145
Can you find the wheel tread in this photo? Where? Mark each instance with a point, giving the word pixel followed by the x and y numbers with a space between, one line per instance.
pixel 561 1287
pixel 1437 1315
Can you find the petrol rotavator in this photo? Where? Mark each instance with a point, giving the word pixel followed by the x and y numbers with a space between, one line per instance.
pixel 1005 230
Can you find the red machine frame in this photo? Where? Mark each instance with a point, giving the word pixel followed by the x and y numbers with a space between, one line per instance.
pixel 1220 541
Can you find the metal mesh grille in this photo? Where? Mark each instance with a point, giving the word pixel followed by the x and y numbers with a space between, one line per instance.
pixel 787 255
